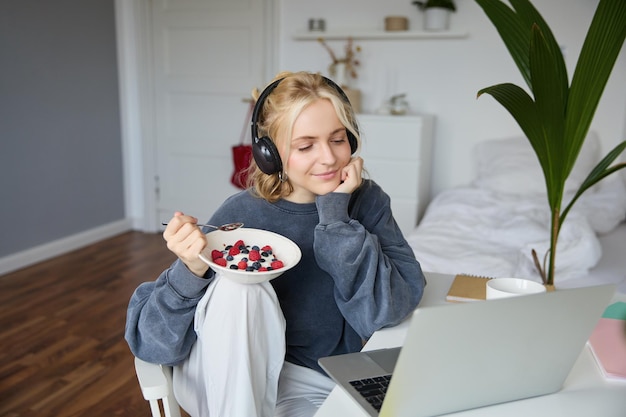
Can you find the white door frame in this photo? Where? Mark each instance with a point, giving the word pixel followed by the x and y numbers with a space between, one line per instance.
pixel 136 107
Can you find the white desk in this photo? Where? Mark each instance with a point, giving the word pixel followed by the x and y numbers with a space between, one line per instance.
pixel 585 393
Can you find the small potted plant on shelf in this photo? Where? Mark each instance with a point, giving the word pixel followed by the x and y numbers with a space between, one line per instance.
pixel 436 13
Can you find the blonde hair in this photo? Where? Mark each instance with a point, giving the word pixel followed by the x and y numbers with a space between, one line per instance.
pixel 295 92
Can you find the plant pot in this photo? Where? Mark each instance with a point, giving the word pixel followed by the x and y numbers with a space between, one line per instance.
pixel 436 18
pixel 549 288
pixel 354 95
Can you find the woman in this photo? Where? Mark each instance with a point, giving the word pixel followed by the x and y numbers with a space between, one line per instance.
pixel 258 345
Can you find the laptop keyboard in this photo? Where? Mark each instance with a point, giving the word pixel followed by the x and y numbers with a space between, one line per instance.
pixel 373 389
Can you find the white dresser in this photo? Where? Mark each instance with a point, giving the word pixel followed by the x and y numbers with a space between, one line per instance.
pixel 397 154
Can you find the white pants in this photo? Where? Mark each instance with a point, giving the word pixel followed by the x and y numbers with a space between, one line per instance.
pixel 301 391
pixel 235 365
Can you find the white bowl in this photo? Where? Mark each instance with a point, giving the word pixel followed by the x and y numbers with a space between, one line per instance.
pixel 511 287
pixel 283 249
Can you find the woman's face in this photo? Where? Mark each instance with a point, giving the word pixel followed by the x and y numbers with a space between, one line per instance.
pixel 319 150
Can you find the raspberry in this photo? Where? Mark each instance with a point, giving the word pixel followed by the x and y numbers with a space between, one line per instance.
pixel 220 261
pixel 242 265
pixel 233 251
pixel 216 254
pixel 276 264
pixel 254 255
pixel 239 243
pixel 266 248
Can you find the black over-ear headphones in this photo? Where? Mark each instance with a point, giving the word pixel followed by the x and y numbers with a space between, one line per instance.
pixel 263 149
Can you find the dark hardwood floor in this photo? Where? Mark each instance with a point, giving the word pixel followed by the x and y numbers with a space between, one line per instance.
pixel 63 352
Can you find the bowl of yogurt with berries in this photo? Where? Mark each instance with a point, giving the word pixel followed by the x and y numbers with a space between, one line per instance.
pixel 248 255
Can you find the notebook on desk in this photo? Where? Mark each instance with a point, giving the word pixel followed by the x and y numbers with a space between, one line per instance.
pixel 462 356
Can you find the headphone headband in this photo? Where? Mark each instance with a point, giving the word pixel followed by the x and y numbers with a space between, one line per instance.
pixel 259 106
pixel 264 150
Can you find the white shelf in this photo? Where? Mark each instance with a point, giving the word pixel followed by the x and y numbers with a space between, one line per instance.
pixel 378 34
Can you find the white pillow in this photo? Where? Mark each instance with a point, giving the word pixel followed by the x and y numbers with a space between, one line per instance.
pixel 511 166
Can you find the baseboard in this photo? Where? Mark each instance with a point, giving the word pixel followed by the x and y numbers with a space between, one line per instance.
pixel 61 246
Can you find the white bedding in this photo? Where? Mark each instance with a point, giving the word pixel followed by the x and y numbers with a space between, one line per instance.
pixel 490 226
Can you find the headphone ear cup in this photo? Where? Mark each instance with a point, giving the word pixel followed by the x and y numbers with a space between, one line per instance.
pixel 266 155
pixel 352 141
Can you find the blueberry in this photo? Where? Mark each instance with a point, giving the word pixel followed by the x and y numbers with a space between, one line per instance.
pixel 233 267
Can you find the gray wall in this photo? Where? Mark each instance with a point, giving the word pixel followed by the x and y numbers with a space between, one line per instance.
pixel 60 141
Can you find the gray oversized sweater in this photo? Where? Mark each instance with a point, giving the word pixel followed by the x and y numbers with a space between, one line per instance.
pixel 357 275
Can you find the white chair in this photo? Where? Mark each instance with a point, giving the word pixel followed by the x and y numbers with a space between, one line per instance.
pixel 156 385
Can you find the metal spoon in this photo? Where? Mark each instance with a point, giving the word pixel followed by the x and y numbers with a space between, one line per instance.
pixel 225 227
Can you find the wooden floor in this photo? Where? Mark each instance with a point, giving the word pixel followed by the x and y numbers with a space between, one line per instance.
pixel 63 352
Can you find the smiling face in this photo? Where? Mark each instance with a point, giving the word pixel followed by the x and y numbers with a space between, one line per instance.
pixel 319 150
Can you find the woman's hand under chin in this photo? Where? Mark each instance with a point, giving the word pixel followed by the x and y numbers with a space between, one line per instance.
pixel 351 176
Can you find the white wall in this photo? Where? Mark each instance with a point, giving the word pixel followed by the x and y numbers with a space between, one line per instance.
pixel 441 77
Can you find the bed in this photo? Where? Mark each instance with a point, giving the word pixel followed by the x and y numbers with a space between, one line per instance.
pixel 490 226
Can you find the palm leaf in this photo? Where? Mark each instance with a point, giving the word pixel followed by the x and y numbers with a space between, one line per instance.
pixel 530 17
pixel 551 101
pixel 601 171
pixel 522 107
pixel 602 45
pixel 515 35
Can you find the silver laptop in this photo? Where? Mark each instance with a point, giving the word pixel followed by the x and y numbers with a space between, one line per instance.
pixel 468 355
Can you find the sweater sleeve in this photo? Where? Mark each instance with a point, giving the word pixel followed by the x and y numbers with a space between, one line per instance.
pixel 160 316
pixel 378 281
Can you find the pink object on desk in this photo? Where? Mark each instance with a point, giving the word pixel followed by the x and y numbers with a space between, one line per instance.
pixel 608 343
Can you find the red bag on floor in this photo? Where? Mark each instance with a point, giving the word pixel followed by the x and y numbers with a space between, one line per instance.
pixel 242 155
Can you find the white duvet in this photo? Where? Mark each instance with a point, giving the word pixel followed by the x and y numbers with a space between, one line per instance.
pixel 490 227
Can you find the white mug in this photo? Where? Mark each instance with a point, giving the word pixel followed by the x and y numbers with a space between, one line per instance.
pixel 512 287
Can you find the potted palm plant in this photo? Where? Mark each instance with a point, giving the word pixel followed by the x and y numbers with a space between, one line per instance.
pixel 436 13
pixel 556 115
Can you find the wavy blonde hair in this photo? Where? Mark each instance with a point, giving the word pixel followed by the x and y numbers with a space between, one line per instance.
pixel 295 92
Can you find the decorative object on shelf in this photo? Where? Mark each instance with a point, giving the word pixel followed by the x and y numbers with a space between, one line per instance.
pixel 343 70
pixel 317 25
pixel 556 119
pixel 398 105
pixel 436 13
pixel 396 23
